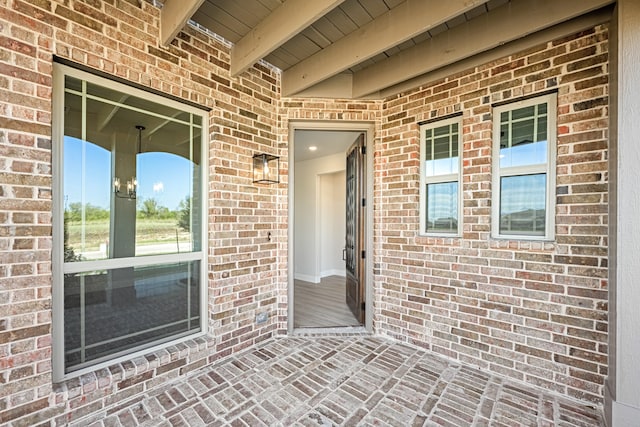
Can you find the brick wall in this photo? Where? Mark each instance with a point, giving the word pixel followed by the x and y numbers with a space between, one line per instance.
pixel 532 311
pixel 245 270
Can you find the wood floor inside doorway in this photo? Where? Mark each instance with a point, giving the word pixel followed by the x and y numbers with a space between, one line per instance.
pixel 322 305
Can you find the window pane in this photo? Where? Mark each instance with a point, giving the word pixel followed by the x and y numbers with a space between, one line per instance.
pixel 442 131
pixel 523 137
pixel 72 83
pixel 118 200
pixel 442 207
pixel 133 103
pixel 441 150
pixel 522 132
pixel 523 205
pixel 504 136
pixel 542 108
pixel 454 143
pixel 542 129
pixel 108 312
pixel 164 215
pixel 131 186
pixel 87 200
pixel 521 113
pixel 87 188
pixel 428 152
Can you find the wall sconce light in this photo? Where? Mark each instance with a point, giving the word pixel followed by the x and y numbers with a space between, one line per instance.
pixel 132 184
pixel 266 169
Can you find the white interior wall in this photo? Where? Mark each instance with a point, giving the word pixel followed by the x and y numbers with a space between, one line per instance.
pixel 307 241
pixel 332 223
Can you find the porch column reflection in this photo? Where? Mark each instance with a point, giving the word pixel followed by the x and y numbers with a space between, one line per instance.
pixel 122 240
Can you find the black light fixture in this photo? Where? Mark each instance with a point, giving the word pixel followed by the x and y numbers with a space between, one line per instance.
pixel 266 169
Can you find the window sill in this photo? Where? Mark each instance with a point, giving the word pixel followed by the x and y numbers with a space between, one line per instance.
pixel 453 240
pixel 524 238
pixel 520 243
pixel 441 235
pixel 157 364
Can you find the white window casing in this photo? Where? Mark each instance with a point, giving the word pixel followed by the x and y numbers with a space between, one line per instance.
pixel 449 173
pixel 523 161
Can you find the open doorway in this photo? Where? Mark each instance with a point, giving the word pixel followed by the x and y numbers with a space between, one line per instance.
pixel 322 257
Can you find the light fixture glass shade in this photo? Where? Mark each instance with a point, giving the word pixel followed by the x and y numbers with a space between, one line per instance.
pixel 132 188
pixel 132 184
pixel 266 169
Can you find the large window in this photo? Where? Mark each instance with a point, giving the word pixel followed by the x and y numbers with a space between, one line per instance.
pixel 128 217
pixel 440 195
pixel 524 169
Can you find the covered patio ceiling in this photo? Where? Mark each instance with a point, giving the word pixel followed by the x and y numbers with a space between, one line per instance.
pixel 376 48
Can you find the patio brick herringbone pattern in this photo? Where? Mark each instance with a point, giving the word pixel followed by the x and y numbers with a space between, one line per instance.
pixel 345 380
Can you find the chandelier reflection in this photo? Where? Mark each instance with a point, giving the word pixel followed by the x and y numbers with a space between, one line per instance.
pixel 132 186
pixel 132 183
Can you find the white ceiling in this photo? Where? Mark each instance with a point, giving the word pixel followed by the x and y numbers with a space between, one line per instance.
pixel 328 142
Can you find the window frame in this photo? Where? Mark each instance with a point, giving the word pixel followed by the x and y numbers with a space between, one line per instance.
pixel 548 168
pixel 60 71
pixel 439 179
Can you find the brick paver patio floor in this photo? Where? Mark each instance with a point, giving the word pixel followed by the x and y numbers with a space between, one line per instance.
pixel 345 380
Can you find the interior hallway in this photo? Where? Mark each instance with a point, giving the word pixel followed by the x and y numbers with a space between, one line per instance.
pixel 343 380
pixel 322 305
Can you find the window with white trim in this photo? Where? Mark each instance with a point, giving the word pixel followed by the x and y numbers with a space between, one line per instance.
pixel 524 169
pixel 129 230
pixel 440 169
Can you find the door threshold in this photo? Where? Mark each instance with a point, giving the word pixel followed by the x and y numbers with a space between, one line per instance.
pixel 332 331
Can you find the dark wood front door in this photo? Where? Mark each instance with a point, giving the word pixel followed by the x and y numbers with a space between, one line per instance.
pixel 354 239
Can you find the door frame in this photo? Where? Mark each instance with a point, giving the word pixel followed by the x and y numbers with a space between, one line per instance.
pixel 368 129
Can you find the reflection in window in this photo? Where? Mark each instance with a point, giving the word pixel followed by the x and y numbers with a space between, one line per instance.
pixel 132 190
pixel 111 311
pixel 522 204
pixel 440 175
pixel 441 150
pixel 87 200
pixel 129 184
pixel 442 207
pixel 163 222
pixel 523 196
pixel 523 136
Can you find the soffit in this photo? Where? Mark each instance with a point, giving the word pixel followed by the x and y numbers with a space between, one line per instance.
pixel 365 48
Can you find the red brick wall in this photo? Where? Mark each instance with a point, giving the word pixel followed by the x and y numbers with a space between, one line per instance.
pixel 533 311
pixel 244 273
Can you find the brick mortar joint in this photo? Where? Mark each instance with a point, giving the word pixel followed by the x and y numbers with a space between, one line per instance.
pixel 391 335
pixel 118 373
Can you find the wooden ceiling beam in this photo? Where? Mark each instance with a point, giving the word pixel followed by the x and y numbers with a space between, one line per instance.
pixel 107 112
pixel 341 85
pixel 277 28
pixel 581 23
pixel 396 26
pixel 174 16
pixel 501 25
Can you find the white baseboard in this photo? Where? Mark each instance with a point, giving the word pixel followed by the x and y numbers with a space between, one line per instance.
pixel 316 279
pixel 307 278
pixel 618 414
pixel 336 272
